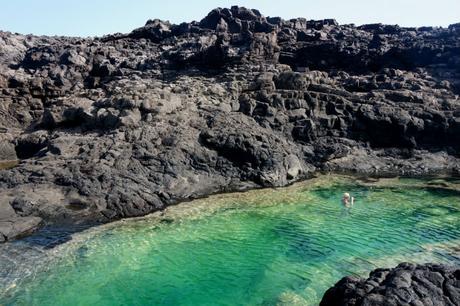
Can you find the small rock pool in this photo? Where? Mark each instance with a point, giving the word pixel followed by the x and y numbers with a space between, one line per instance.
pixel 265 247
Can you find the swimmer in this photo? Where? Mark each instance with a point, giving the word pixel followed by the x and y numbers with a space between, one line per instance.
pixel 347 201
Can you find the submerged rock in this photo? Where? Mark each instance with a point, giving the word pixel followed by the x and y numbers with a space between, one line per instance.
pixel 406 284
pixel 126 124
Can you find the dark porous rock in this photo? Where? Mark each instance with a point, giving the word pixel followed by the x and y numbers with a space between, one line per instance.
pixel 155 30
pixel 127 124
pixel 406 284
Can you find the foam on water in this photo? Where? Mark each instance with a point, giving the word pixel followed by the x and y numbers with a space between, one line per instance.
pixel 265 247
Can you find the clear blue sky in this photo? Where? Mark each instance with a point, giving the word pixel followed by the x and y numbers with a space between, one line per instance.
pixel 98 17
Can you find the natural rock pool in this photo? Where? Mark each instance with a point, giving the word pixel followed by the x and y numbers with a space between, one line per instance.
pixel 265 247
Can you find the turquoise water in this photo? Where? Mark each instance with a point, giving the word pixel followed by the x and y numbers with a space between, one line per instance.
pixel 264 247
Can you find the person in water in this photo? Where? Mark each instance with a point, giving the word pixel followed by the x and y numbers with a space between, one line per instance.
pixel 347 200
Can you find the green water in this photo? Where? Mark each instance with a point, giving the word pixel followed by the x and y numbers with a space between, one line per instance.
pixel 265 247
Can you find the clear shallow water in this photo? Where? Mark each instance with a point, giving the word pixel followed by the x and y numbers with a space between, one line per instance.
pixel 264 247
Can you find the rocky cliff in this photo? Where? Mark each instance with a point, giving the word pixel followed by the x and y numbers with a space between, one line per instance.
pixel 126 124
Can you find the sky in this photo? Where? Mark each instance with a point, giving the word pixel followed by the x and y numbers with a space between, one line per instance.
pixel 99 17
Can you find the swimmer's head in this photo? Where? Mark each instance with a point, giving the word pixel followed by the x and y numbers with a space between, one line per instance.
pixel 346 195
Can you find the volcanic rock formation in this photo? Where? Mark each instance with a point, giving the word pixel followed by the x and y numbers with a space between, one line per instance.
pixel 407 284
pixel 126 124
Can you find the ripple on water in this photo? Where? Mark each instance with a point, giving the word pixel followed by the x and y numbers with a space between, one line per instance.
pixel 265 247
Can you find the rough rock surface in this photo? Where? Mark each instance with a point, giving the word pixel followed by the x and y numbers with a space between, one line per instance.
pixel 125 124
pixel 407 284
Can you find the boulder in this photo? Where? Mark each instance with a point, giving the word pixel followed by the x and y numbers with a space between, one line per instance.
pixel 406 284
pixel 7 150
pixel 293 166
pixel 14 228
pixel 291 81
pixel 154 30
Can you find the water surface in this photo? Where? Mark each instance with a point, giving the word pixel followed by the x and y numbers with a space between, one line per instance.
pixel 266 247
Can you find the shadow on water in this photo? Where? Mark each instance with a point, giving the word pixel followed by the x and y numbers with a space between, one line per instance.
pixel 442 191
pixel 51 236
pixel 20 258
